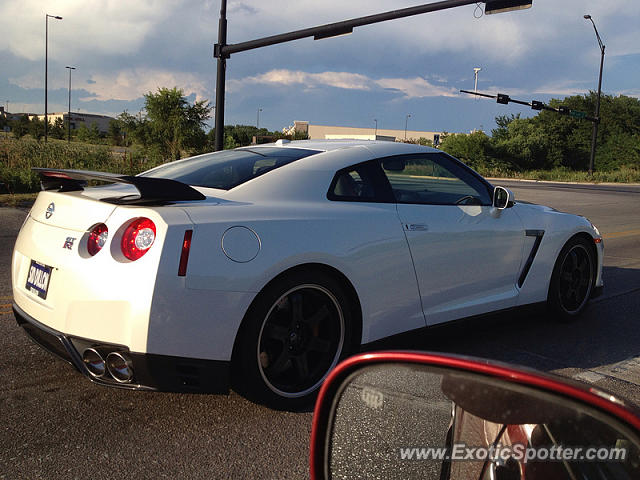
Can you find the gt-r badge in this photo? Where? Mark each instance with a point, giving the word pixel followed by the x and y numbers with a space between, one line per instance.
pixel 68 243
pixel 50 209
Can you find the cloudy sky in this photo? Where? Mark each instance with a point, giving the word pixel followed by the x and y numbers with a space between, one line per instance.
pixel 416 66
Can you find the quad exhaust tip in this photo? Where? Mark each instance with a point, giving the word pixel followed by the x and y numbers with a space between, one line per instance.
pixel 120 367
pixel 94 362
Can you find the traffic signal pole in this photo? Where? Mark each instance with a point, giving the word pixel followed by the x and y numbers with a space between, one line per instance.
pixel 222 51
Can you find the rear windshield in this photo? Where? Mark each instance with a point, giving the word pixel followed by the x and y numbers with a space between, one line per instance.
pixel 229 168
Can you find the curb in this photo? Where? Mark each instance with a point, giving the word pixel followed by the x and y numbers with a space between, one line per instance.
pixel 526 180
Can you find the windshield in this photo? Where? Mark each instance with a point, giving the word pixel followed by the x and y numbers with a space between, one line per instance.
pixel 229 168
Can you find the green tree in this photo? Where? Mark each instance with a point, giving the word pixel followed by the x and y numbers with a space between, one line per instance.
pixel 115 133
pixel 473 149
pixel 58 130
pixel 88 134
pixel 20 127
pixel 36 128
pixel 173 124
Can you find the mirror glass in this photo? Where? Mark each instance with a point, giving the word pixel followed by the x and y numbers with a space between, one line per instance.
pixel 394 164
pixel 398 421
pixel 500 197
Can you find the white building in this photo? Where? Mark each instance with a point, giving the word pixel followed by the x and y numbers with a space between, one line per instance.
pixel 316 132
pixel 77 119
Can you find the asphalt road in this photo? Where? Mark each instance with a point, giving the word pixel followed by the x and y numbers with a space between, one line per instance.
pixel 56 424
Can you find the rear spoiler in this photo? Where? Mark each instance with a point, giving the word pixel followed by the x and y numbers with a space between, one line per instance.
pixel 151 189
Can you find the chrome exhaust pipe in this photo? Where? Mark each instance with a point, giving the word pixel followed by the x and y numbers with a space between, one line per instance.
pixel 120 367
pixel 94 362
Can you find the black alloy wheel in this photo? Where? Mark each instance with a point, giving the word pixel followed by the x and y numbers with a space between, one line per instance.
pixel 300 341
pixel 573 279
pixel 294 334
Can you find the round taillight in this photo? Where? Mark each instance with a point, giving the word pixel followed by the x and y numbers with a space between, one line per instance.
pixel 97 238
pixel 138 238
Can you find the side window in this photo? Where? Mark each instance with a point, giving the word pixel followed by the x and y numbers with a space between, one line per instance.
pixel 360 183
pixel 433 179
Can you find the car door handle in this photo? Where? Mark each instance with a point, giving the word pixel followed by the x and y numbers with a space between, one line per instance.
pixel 416 227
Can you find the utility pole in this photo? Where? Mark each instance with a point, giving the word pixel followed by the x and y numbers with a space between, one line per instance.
pixel 46 71
pixel 69 113
pixel 594 135
pixel 221 75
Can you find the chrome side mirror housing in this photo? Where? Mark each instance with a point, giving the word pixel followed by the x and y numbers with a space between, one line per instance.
pixel 503 198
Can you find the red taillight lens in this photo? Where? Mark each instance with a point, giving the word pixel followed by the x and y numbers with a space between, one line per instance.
pixel 184 256
pixel 138 238
pixel 97 238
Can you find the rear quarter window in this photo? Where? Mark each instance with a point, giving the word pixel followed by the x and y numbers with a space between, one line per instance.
pixel 230 168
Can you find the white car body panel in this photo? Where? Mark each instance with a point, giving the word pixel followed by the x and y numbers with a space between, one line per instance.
pixel 410 265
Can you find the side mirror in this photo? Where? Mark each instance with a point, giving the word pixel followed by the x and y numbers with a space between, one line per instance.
pixel 432 416
pixel 503 198
pixel 394 164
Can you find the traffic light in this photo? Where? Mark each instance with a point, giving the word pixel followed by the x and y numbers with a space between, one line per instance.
pixel 502 98
pixel 498 6
pixel 536 105
pixel 564 110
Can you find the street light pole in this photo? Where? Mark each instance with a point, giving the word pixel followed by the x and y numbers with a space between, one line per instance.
pixel 69 114
pixel 258 119
pixel 376 120
pixel 406 122
pixel 594 135
pixel 46 70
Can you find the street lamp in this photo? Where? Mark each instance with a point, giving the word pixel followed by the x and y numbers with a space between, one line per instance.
pixel 376 120
pixel 258 120
pixel 475 74
pixel 406 122
pixel 69 114
pixel 594 135
pixel 46 71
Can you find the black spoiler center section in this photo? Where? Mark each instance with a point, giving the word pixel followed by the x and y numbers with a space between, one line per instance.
pixel 151 189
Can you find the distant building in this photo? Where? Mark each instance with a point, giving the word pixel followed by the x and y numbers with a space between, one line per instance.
pixel 316 132
pixel 13 116
pixel 78 119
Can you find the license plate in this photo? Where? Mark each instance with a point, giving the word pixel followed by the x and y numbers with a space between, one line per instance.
pixel 38 279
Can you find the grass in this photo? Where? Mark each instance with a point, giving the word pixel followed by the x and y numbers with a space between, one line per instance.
pixel 18 157
pixel 621 175
pixel 17 199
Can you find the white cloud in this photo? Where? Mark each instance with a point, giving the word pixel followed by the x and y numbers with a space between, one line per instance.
pixel 351 81
pixel 125 84
pixel 132 84
pixel 88 26
pixel 415 87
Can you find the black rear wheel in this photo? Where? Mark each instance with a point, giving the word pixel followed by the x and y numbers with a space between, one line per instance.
pixel 572 280
pixel 294 334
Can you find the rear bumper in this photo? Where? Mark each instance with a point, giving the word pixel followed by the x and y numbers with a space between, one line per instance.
pixel 150 371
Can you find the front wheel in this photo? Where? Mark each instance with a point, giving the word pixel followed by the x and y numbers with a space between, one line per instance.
pixel 572 279
pixel 293 335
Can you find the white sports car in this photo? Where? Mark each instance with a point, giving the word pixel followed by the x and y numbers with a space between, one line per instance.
pixel 262 267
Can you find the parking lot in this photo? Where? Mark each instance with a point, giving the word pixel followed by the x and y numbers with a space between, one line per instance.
pixel 56 424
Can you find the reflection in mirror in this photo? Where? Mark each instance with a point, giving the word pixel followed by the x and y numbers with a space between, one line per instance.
pixel 401 421
pixel 394 164
pixel 501 198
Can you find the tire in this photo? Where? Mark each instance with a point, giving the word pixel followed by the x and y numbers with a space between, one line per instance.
pixel 293 335
pixel 572 280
